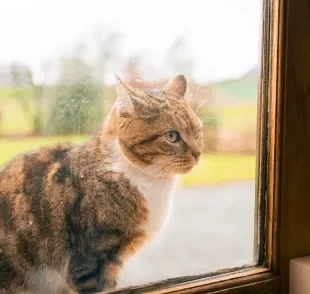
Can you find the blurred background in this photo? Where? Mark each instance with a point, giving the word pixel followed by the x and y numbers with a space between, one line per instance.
pixel 57 65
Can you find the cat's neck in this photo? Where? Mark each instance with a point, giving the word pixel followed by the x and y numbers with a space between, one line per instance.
pixel 157 188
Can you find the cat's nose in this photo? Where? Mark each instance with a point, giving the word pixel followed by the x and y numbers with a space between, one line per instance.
pixel 196 155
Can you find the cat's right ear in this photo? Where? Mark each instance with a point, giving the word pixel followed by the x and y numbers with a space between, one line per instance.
pixel 124 102
pixel 129 101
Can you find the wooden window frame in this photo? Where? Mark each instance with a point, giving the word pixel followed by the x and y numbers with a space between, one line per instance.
pixel 284 162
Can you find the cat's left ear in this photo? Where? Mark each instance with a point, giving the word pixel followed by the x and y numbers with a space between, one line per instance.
pixel 177 85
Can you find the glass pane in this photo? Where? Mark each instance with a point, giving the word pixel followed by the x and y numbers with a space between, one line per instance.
pixel 57 84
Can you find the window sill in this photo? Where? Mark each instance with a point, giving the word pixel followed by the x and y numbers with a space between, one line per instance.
pixel 254 280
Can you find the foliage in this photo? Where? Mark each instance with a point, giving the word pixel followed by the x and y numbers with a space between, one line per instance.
pixel 239 90
pixel 22 79
pixel 28 95
pixel 14 121
pixel 77 107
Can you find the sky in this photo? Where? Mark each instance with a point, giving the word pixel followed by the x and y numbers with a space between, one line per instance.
pixel 224 36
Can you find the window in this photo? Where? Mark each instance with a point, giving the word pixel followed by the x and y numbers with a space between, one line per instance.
pixel 223 237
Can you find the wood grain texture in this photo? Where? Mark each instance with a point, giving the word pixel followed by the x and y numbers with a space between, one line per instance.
pixel 265 283
pixel 272 78
pixel 294 175
pixel 256 280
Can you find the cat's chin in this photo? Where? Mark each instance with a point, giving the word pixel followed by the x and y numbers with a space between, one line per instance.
pixel 186 170
pixel 183 170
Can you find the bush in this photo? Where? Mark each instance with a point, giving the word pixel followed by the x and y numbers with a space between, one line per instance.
pixel 210 131
pixel 78 104
pixel 77 109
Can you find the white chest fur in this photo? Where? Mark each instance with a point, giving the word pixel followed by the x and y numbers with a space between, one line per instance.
pixel 157 189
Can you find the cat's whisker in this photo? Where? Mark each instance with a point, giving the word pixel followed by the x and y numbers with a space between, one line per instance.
pixel 207 119
pixel 159 167
pixel 200 105
pixel 194 97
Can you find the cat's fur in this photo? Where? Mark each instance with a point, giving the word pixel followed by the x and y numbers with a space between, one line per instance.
pixel 71 215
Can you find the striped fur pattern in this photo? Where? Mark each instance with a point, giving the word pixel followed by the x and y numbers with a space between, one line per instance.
pixel 71 215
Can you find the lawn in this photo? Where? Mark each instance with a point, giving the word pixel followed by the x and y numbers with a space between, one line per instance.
pixel 245 90
pixel 237 118
pixel 220 169
pixel 14 120
pixel 212 169
pixel 12 147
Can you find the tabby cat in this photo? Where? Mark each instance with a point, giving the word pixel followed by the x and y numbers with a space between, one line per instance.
pixel 70 216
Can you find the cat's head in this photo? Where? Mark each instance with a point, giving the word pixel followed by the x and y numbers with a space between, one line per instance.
pixel 157 129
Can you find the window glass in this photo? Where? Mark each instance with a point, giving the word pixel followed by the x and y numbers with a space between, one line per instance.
pixel 57 66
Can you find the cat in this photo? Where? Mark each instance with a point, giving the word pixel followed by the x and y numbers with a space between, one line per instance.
pixel 71 215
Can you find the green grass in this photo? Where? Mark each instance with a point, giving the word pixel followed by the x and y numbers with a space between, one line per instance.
pixel 212 169
pixel 238 89
pixel 9 148
pixel 221 168
pixel 14 120
pixel 237 118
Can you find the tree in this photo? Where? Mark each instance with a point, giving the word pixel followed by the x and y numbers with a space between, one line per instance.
pixel 22 79
pixel 77 106
pixel 29 95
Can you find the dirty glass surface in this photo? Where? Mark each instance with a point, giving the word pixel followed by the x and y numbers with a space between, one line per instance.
pixel 57 65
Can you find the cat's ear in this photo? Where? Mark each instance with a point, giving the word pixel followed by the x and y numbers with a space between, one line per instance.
pixel 129 101
pixel 178 85
pixel 125 104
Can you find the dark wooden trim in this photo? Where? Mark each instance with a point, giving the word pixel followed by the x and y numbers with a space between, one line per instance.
pixel 275 102
pixel 187 282
pixel 264 283
pixel 294 139
pixel 269 125
pixel 262 178
pixel 260 280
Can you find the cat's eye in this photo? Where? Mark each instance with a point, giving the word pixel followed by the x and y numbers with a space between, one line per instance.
pixel 173 136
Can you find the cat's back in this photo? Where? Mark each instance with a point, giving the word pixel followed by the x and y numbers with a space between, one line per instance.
pixel 26 172
pixel 32 204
